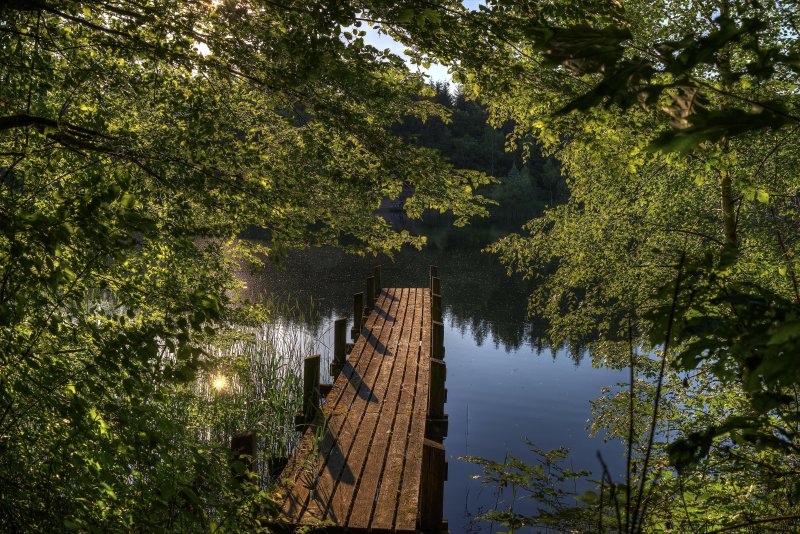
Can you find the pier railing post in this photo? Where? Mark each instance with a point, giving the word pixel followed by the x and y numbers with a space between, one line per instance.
pixel 437 340
pixel 434 469
pixel 311 390
pixel 437 422
pixel 434 464
pixel 358 313
pixel 436 399
pixel 339 345
pixel 376 274
pixel 436 307
pixel 370 295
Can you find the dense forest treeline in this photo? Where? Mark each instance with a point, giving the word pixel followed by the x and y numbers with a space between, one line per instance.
pixel 480 298
pixel 527 182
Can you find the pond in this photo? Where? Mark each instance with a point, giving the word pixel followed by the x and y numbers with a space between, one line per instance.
pixel 505 384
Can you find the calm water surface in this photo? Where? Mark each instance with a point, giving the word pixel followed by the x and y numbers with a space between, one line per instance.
pixel 505 385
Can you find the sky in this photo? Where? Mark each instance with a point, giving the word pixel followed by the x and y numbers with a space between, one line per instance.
pixel 383 41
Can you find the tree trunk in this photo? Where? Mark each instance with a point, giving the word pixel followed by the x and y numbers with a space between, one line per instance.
pixel 728 209
pixel 726 182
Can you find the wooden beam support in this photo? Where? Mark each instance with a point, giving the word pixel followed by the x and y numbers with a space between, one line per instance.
pixel 358 313
pixel 436 392
pixel 436 307
pixel 437 422
pixel 436 285
pixel 437 340
pixel 431 499
pixel 311 389
pixel 339 346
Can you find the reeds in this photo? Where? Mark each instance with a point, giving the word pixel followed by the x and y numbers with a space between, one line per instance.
pixel 255 384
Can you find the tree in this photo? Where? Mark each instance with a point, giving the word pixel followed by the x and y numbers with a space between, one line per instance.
pixel 137 139
pixel 675 123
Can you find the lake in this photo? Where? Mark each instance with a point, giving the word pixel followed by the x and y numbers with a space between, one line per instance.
pixel 505 384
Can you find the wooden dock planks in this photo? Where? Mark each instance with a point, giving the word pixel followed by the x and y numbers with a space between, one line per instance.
pixel 344 413
pixel 365 471
pixel 373 483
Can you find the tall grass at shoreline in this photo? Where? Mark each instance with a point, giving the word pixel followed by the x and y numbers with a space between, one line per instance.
pixel 255 384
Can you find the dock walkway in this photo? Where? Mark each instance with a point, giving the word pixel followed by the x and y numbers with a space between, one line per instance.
pixel 367 463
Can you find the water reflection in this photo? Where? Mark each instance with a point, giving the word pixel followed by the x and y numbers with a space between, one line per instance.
pixel 479 298
pixel 505 384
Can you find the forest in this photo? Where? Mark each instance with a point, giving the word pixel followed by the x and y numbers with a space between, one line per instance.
pixel 526 182
pixel 632 163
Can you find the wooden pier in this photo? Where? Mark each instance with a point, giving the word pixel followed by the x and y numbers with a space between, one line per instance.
pixel 372 458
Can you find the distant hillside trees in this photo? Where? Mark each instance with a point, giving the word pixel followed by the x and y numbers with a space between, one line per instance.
pixel 527 181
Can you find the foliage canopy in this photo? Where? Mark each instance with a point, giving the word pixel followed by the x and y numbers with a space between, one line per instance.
pixel 137 139
pixel 675 123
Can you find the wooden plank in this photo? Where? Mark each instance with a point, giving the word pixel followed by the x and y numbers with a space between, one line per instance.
pixel 345 431
pixel 338 471
pixel 299 475
pixel 377 471
pixel 361 455
pixel 388 500
pixel 436 389
pixel 408 508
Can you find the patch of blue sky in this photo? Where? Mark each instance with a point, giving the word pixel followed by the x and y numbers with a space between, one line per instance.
pixel 381 41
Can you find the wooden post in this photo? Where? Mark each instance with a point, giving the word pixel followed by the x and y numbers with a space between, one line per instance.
pixel 339 346
pixel 436 307
pixel 431 498
pixel 436 285
pixel 437 421
pixel 436 396
pixel 376 274
pixel 275 465
pixel 358 313
pixel 437 340
pixel 434 272
pixel 311 392
pixel 243 446
pixel 370 295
